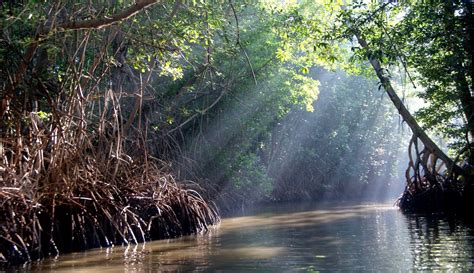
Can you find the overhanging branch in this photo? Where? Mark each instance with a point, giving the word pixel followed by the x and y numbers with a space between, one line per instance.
pixel 108 21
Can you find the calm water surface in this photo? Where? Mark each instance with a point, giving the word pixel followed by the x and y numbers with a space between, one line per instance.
pixel 296 238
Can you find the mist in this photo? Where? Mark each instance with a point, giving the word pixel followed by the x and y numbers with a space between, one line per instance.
pixel 350 147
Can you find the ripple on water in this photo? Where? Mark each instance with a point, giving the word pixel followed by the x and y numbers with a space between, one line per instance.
pixel 286 239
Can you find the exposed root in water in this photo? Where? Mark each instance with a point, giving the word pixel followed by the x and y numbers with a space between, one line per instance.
pixel 74 199
pixel 79 178
pixel 92 211
pixel 75 168
pixel 434 185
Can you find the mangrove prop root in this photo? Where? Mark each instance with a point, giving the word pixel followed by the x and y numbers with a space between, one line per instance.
pixel 431 185
pixel 433 178
pixel 91 211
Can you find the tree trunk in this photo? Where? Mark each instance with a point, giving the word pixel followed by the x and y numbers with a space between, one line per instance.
pixel 418 132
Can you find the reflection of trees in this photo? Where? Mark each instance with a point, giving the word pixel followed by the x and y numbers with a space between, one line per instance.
pixel 440 243
pixel 183 254
pixel 346 238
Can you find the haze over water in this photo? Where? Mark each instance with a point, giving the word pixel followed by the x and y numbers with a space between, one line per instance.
pixel 295 238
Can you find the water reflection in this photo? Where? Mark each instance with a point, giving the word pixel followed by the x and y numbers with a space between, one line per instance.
pixel 440 242
pixel 294 239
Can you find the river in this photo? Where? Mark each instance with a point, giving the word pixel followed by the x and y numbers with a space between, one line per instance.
pixel 294 238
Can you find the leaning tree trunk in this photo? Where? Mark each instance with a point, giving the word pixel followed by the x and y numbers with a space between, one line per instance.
pixel 430 173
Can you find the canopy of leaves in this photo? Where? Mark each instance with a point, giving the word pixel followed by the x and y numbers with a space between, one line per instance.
pixel 212 83
pixel 432 42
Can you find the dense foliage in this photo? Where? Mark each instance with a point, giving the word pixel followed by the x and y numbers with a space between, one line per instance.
pixel 432 42
pixel 104 104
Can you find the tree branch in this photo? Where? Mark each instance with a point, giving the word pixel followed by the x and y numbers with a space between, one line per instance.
pixel 108 21
pixel 86 24
pixel 240 44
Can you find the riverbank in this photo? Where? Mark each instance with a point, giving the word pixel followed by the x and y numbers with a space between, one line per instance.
pixel 142 202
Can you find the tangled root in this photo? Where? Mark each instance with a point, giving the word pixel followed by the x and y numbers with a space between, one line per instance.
pixel 82 207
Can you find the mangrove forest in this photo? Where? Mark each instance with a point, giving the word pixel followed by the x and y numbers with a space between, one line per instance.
pixel 252 135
